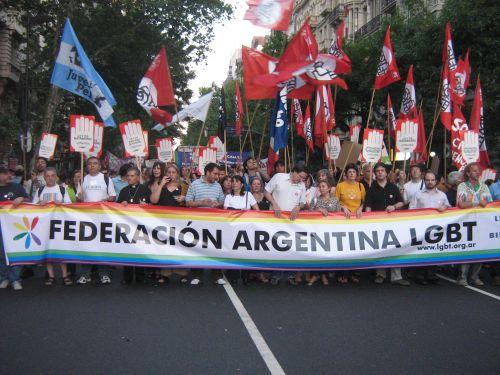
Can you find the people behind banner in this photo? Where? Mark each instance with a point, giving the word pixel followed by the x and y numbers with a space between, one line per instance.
pixel 251 169
pixel 134 193
pixel 472 193
pixel 416 183
pixel 96 187
pixel 385 196
pixel 429 197
pixel 206 192
pixel 287 192
pixel 367 175
pixel 226 185
pixel 325 203
pixel 401 180
pixel 495 187
pixel 120 181
pixel 51 192
pixel 15 193
pixel 311 190
pixel 256 188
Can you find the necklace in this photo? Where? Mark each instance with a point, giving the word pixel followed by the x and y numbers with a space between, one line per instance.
pixel 132 196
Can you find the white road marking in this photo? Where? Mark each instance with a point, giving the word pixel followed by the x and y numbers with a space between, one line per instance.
pixel 471 288
pixel 266 353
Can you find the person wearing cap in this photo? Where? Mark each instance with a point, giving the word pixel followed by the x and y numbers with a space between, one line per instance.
pixel 15 193
pixel 385 196
pixel 416 183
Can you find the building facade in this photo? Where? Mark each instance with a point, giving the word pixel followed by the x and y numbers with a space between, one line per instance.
pixel 362 17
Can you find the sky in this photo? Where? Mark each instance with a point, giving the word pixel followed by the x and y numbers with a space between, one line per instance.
pixel 228 38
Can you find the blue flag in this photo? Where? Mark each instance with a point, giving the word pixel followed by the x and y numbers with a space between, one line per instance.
pixel 278 128
pixel 74 72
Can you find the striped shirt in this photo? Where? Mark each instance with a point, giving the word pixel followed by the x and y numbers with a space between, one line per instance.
pixel 199 190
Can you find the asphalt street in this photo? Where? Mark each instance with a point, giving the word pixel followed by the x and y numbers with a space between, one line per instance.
pixel 178 329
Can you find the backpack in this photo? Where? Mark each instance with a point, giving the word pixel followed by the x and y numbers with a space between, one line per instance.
pixel 61 189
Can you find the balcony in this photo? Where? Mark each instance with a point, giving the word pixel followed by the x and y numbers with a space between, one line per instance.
pixel 336 15
pixel 369 28
pixel 388 5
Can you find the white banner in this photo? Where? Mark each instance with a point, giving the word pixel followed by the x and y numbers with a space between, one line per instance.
pixel 181 237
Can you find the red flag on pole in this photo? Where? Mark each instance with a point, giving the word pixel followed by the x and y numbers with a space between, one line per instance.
pixel 300 52
pixel 387 70
pixel 308 128
pixel 477 124
pixel 459 80
pixel 256 63
pixel 297 117
pixel 239 109
pixel 409 102
pixel 459 124
pixel 329 108
pixel 319 119
pixel 156 89
pixel 449 66
pixel 271 14
pixel 392 118
pixel 420 153
pixel 343 62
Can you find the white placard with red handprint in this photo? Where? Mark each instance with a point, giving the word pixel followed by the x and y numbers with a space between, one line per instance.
pixel 332 147
pixel 406 135
pixel 469 140
pixel 81 133
pixel 354 131
pixel 47 145
pixel 206 155
pixel 372 145
pixel 215 142
pixel 133 138
pixel 487 174
pixel 98 138
pixel 164 147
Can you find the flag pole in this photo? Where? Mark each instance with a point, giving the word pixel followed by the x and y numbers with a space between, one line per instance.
pixel 81 165
pixel 444 151
pixel 389 139
pixel 225 150
pixel 436 116
pixel 291 132
pixel 249 125
pixel 263 133
pixel 370 110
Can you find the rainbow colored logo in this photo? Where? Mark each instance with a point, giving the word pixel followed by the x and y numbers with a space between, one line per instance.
pixel 27 232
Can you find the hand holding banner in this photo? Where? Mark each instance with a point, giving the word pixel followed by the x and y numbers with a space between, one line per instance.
pixel 372 145
pixel 98 137
pixel 133 138
pixel 333 147
pixel 81 133
pixel 470 145
pixel 47 145
pixel 406 135
pixel 164 148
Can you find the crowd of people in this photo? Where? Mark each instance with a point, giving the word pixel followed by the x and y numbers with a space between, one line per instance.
pixel 352 192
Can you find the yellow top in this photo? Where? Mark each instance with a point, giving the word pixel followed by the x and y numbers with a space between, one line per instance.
pixel 350 195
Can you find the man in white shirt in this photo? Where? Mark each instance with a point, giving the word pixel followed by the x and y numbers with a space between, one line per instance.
pixel 51 192
pixel 430 197
pixel 416 184
pixel 287 192
pixel 96 188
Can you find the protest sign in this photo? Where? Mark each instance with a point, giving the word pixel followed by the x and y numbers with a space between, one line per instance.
pixel 47 145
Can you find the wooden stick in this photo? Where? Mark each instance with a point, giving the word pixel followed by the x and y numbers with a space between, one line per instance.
pixel 436 115
pixel 444 150
pixel 81 178
pixel 370 110
pixel 225 149
pixel 263 133
pixel 291 133
pixel 404 164
pixel 347 159
pixel 285 152
pixel 249 125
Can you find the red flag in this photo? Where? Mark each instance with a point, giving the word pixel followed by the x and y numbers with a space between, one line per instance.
pixel 329 108
pixel 239 109
pixel 297 117
pixel 156 89
pixel 387 70
pixel 445 100
pixel 300 52
pixel 459 80
pixel 271 14
pixel 343 62
pixel 420 153
pixel 409 102
pixel 391 118
pixel 308 128
pixel 477 124
pixel 272 158
pixel 448 54
pixel 319 119
pixel 459 124
pixel 256 63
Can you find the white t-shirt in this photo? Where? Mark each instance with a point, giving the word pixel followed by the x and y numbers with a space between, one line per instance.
pixel 411 189
pixel 286 194
pixel 240 202
pixel 429 199
pixel 95 189
pixel 51 194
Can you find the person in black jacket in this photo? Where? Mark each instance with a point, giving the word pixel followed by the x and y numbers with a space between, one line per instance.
pixel 134 193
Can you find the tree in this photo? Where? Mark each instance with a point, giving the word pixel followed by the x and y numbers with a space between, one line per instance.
pixel 121 51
